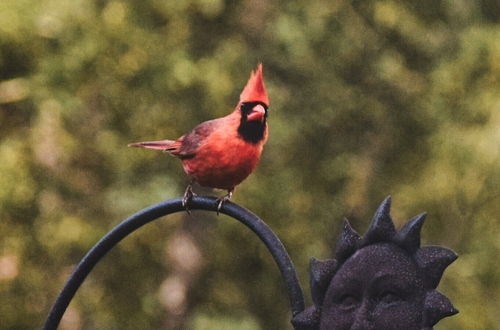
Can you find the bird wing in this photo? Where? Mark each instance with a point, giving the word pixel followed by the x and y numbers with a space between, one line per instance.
pixel 190 142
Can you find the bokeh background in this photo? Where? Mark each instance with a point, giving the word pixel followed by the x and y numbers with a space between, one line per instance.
pixel 368 98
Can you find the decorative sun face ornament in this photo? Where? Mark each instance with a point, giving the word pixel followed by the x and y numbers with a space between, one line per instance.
pixel 382 281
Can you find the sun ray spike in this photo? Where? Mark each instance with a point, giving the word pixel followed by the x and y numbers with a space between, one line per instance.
pixel 382 227
pixel 347 243
pixel 436 307
pixel 408 236
pixel 321 273
pixel 308 319
pixel 433 260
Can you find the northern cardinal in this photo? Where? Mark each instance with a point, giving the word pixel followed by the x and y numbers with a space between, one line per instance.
pixel 222 152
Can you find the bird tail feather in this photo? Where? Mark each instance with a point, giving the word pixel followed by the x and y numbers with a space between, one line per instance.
pixel 164 145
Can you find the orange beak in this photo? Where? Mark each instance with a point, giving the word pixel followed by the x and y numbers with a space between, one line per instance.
pixel 258 113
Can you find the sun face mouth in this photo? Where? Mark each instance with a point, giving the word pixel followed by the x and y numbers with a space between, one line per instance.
pixel 258 113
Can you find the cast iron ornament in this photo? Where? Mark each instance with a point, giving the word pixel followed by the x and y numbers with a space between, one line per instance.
pixel 382 281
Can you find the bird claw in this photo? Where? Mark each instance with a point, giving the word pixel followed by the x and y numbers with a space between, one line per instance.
pixel 188 195
pixel 220 201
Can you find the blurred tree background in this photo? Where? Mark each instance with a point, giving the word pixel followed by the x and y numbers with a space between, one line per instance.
pixel 368 98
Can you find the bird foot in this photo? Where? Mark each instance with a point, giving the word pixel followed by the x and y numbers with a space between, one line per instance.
pixel 220 201
pixel 188 195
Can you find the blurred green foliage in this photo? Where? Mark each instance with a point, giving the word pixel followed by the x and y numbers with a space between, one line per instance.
pixel 368 98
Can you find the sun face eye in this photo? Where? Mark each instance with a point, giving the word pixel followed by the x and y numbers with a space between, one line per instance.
pixel 389 297
pixel 348 301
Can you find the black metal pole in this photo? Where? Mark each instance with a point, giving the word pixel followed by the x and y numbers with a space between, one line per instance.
pixel 156 211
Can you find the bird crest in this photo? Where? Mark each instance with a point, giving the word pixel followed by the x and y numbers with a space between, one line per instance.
pixel 255 90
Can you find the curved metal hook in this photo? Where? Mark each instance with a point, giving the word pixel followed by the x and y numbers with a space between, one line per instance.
pixel 156 211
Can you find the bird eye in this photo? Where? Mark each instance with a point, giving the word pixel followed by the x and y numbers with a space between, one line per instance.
pixel 246 107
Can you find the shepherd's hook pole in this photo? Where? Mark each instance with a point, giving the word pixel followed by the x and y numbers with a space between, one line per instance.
pixel 156 211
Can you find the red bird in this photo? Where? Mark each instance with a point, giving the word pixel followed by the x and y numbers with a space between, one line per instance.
pixel 222 152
